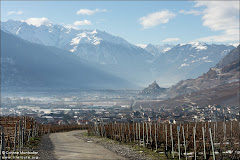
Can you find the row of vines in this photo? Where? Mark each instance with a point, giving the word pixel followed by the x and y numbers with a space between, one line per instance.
pixel 17 132
pixel 210 140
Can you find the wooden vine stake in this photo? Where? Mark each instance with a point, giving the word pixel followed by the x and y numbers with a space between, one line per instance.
pixel 204 148
pixel 210 132
pixel 150 127
pixel 179 152
pixel 156 137
pixel 136 132
pixel 139 132
pixel 134 138
pixel 214 132
pixel 147 133
pixel 172 140
pixel 224 132
pixel 194 141
pixel 2 141
pixel 166 135
pixel 19 136
pixel 184 142
pixel 15 137
pixel 143 136
pixel 129 132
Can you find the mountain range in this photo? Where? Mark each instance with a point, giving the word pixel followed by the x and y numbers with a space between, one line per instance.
pixel 186 61
pixel 26 65
pixel 219 86
pixel 167 64
pixel 110 53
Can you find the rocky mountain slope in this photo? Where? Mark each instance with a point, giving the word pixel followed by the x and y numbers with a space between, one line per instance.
pixel 28 65
pixel 224 95
pixel 225 72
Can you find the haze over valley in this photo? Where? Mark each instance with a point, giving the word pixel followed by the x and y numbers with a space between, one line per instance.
pixel 134 80
pixel 52 65
pixel 114 55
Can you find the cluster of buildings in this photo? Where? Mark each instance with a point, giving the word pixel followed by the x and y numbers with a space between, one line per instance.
pixel 200 114
pixel 82 114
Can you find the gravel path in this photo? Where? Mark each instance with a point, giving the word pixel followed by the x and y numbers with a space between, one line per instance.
pixel 68 147
pixel 46 148
pixel 76 145
pixel 123 150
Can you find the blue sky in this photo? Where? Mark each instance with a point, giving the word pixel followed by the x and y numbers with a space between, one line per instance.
pixel 143 22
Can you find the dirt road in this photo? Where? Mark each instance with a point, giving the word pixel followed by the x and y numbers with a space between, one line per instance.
pixel 68 147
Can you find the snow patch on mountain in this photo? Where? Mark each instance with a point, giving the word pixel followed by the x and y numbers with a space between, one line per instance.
pixel 86 37
pixel 18 30
pixel 198 46
pixel 158 50
pixel 73 49
pixel 142 45
pixel 166 49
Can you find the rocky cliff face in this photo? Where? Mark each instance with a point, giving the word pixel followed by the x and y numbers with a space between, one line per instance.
pixel 153 89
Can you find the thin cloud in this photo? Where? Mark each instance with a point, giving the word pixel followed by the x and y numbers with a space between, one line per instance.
pixel 14 12
pixel 81 23
pixel 89 12
pixel 193 12
pixel 156 18
pixel 171 40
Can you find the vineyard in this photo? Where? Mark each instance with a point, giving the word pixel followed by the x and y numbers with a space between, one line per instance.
pixel 18 132
pixel 210 140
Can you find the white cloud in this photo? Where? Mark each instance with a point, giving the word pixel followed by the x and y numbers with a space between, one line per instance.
pixel 184 65
pixel 194 12
pixel 142 45
pixel 220 38
pixel 171 39
pixel 89 12
pixel 220 16
pixel 14 12
pixel 81 23
pixel 156 18
pixel 37 21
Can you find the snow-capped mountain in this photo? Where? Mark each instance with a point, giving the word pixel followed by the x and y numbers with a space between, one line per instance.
pixel 165 63
pixel 107 52
pixel 158 50
pixel 189 60
pixel 26 65
pixel 88 44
